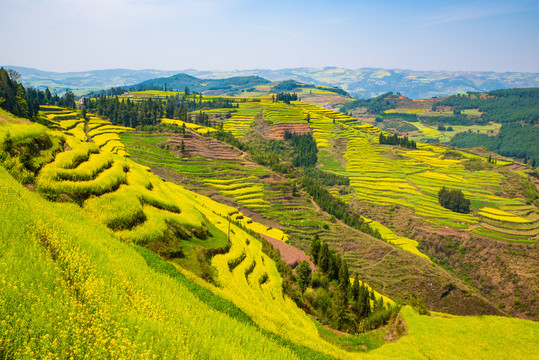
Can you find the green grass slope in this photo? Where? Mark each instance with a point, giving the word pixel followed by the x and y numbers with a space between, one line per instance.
pixel 68 284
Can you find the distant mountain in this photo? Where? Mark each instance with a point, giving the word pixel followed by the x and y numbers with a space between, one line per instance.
pixel 369 82
pixel 85 81
pixel 362 83
pixel 209 86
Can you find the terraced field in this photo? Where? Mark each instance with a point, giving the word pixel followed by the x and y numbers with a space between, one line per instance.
pixel 241 120
pixel 281 113
pixel 222 170
pixel 105 135
pixel 67 120
pixel 414 182
pixel 195 127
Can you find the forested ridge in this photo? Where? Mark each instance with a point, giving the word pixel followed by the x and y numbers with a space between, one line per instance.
pixel 513 140
pixel 501 106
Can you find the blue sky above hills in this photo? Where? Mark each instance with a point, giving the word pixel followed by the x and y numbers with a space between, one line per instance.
pixel 67 35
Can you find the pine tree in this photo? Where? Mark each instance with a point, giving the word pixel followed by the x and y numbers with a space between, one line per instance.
pixel 315 248
pixel 344 279
pixel 323 257
pixel 355 288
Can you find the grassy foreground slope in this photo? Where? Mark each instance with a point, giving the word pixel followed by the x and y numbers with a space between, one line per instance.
pixel 66 289
pixel 68 284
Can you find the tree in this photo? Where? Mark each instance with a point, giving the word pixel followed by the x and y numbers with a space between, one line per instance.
pixel 344 279
pixel 22 104
pixel 169 109
pixel 303 273
pixel 48 97
pixel 14 75
pixel 315 248
pixel 7 145
pixel 533 163
pixel 182 147
pixel 323 257
pixel 355 288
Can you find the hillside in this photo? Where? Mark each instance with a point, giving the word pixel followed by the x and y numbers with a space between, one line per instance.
pixel 158 249
pixel 362 83
pixel 209 86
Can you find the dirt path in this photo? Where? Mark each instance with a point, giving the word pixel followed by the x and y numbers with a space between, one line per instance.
pixel 379 261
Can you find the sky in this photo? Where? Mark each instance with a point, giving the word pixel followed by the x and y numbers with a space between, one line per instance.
pixel 79 35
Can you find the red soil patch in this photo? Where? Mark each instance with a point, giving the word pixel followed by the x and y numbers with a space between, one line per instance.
pixel 516 167
pixel 290 255
pixel 278 130
pixel 205 146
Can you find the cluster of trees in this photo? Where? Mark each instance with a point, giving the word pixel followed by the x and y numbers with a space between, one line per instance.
pixel 511 105
pixel 148 112
pixel 397 140
pixel 513 140
pixel 443 128
pixel 126 113
pixel 454 200
pixel 377 105
pixel 305 150
pixel 13 96
pixel 328 293
pixel 22 102
pixel 326 178
pixel 284 97
pixel 339 303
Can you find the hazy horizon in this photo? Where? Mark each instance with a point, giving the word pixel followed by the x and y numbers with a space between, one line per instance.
pixel 67 36
pixel 269 69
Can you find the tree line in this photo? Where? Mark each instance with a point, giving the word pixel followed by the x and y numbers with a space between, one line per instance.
pixel 501 106
pixel 397 140
pixel 284 97
pixel 149 112
pixel 336 207
pixel 23 102
pixel 326 178
pixel 513 140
